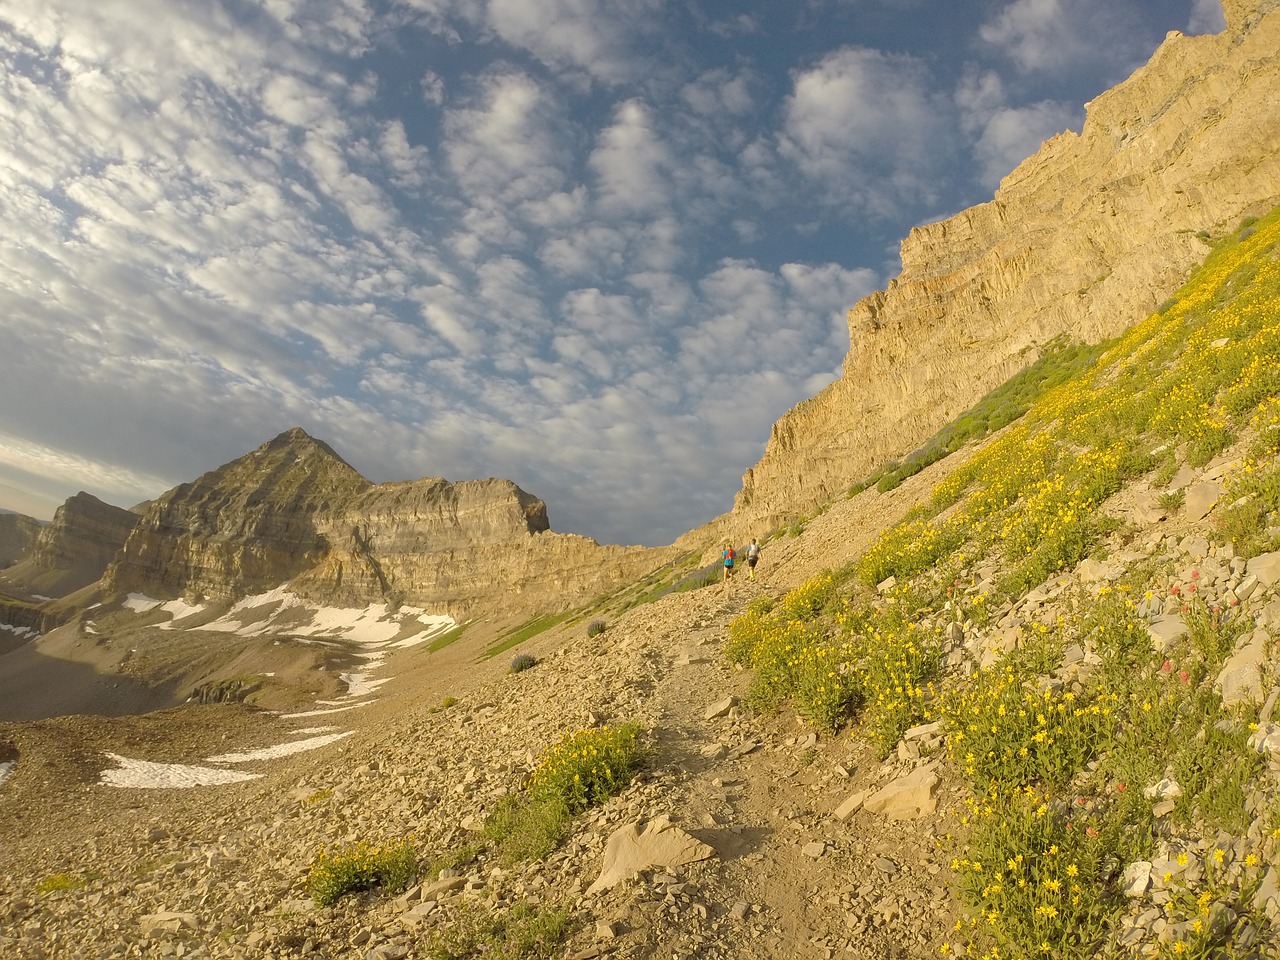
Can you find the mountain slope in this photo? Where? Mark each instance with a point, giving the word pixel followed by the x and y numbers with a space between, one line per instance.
pixel 74 550
pixel 1084 238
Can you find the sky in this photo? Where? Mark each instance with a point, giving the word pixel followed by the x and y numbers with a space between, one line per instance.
pixel 597 247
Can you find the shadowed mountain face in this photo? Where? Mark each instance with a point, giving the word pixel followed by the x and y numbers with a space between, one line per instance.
pixel 74 550
pixel 17 535
pixel 242 528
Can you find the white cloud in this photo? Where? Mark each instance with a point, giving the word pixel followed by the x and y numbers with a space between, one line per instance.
pixel 1012 134
pixel 592 36
pixel 1093 38
pixel 1206 17
pixel 510 143
pixel 632 164
pixel 868 127
pixel 719 93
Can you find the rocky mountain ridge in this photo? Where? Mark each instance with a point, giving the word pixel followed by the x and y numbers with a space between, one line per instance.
pixel 74 550
pixel 293 512
pixel 17 534
pixel 1083 238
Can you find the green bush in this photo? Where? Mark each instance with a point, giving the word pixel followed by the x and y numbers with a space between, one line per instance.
pixel 522 662
pixel 582 770
pixel 361 866
pixel 524 931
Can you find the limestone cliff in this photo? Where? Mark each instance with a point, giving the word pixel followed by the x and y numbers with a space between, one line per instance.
pixel 17 535
pixel 293 511
pixel 1084 238
pixel 74 550
pixel 247 526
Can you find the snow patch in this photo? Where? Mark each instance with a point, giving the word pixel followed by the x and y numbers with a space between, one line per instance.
pixel 314 729
pixel 321 713
pixel 295 616
pixel 140 603
pixel 6 769
pixel 19 631
pixel 145 775
pixel 280 750
pixel 179 609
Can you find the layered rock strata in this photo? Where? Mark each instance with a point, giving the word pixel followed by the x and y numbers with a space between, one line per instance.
pixel 17 535
pixel 293 511
pixel 75 549
pixel 1084 238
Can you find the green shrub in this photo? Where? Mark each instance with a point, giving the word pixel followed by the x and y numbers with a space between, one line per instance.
pixel 525 828
pixel 524 931
pixel 522 662
pixel 60 883
pixel 361 866
pixel 582 770
pixel 588 767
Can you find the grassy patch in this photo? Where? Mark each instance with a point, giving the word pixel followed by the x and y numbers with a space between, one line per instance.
pixel 446 638
pixel 524 931
pixel 527 630
pixel 1067 762
pixel 581 771
pixel 62 883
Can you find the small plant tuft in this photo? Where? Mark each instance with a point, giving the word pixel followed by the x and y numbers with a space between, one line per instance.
pixel 522 662
pixel 595 628
pixel 362 866
pixel 60 883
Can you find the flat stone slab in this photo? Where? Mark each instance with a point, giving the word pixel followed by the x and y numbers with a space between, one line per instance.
pixel 631 849
pixel 907 797
pixel 1266 567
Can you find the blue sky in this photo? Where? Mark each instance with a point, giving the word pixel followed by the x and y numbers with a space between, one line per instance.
pixel 594 246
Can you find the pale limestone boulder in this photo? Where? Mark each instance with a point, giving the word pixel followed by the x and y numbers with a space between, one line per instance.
pixel 1266 568
pixel 1240 680
pixel 907 798
pixel 1098 571
pixel 851 805
pixel 1166 630
pixel 660 844
pixel 168 922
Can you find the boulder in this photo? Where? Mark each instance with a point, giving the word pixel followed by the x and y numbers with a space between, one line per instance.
pixel 1166 630
pixel 907 797
pixel 1266 568
pixel 1240 680
pixel 660 844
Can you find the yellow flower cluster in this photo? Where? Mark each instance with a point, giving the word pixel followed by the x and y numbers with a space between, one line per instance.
pixel 1000 731
pixel 587 767
pixel 879 662
pixel 361 866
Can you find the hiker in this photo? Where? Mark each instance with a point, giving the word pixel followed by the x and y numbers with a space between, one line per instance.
pixel 728 556
pixel 753 557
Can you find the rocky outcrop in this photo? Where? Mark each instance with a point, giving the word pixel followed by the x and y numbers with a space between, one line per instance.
pixel 247 526
pixel 17 535
pixel 1084 238
pixel 293 511
pixel 75 549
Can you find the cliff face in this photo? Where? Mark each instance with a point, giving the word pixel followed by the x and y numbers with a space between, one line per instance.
pixel 17 535
pixel 74 550
pixel 293 511
pixel 1086 237
pixel 243 528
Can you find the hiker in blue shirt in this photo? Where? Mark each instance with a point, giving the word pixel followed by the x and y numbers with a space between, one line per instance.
pixel 728 556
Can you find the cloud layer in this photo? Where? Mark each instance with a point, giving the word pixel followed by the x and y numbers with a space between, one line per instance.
pixel 597 250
